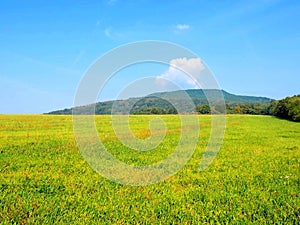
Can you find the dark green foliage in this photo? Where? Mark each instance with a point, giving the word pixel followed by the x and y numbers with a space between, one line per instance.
pixel 155 110
pixel 159 103
pixel 288 108
pixel 153 105
pixel 250 108
pixel 203 109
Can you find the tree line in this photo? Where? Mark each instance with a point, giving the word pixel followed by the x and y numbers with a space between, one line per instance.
pixel 287 108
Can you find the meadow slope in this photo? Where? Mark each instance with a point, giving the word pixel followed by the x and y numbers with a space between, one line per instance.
pixel 254 179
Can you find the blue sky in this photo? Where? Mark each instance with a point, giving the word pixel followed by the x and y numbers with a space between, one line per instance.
pixel 252 47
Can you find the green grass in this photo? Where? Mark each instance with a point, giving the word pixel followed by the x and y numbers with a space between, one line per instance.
pixel 254 179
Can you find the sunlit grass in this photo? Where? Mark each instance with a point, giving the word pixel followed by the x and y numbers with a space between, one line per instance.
pixel 44 179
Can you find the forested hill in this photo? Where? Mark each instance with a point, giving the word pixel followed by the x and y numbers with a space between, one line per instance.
pixel 157 103
pixel 200 95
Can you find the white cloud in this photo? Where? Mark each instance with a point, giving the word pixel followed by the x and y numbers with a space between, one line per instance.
pixel 183 72
pixel 183 27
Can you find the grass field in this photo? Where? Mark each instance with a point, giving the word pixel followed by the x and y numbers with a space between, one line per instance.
pixel 254 179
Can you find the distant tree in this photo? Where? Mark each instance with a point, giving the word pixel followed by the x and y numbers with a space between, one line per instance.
pixel 172 111
pixel 203 109
pixel 238 109
pixel 288 108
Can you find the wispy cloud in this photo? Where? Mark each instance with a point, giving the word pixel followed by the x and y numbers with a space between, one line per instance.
pixel 182 26
pixel 183 72
pixel 107 32
pixel 112 33
pixel 98 22
pixel 111 2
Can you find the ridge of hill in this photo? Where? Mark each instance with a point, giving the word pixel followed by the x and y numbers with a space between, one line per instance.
pixel 160 102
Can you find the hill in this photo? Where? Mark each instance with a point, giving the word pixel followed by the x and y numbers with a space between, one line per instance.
pixel 159 103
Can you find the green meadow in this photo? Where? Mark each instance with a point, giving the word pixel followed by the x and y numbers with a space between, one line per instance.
pixel 255 178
